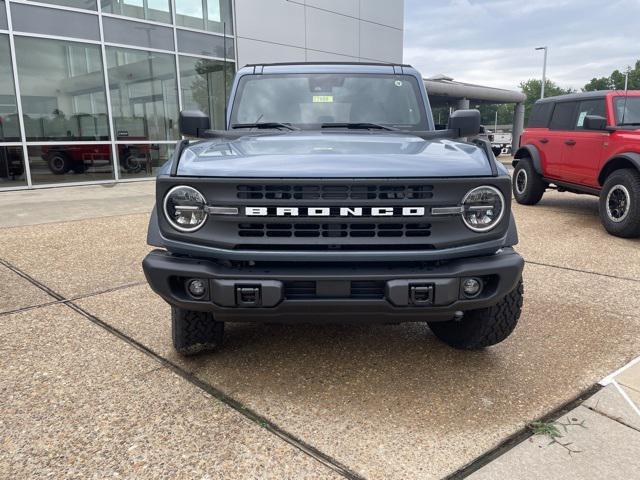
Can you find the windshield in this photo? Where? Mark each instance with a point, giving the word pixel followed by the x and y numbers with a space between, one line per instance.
pixel 627 113
pixel 314 100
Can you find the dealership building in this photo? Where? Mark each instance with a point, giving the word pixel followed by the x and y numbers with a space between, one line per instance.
pixel 61 124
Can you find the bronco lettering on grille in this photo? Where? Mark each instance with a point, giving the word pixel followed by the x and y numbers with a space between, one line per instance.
pixel 334 211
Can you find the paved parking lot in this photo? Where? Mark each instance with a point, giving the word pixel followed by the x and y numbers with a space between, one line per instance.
pixel 90 383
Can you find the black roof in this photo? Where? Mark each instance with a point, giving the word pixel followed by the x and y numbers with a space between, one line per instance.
pixel 280 64
pixel 575 96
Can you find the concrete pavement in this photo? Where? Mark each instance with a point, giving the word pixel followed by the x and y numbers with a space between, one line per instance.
pixel 372 402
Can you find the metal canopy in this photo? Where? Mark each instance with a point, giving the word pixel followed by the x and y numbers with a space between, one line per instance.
pixel 444 91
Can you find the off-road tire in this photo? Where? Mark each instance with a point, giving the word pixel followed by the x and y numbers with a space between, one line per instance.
pixel 531 192
pixel 484 327
pixel 629 227
pixel 58 163
pixel 195 332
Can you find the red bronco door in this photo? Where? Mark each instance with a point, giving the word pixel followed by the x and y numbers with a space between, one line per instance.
pixel 583 149
pixel 560 128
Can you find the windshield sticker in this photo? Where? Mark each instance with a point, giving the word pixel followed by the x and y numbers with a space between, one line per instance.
pixel 398 83
pixel 323 99
pixel 581 119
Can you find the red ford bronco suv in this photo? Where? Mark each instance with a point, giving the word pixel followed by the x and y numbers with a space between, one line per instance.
pixel 585 143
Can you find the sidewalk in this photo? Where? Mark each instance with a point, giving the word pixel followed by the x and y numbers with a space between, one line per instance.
pixel 598 439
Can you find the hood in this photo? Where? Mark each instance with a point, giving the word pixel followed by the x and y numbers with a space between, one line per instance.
pixel 333 155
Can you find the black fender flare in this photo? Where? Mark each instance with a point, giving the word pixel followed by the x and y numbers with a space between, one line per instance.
pixel 154 238
pixel 620 160
pixel 529 151
pixel 512 232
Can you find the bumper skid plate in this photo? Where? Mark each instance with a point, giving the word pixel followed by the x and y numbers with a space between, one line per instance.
pixel 372 292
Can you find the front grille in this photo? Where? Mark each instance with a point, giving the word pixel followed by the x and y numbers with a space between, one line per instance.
pixel 362 289
pixel 334 230
pixel 306 247
pixel 334 192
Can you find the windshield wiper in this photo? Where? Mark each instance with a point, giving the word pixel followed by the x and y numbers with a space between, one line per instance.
pixel 628 123
pixel 277 125
pixel 358 126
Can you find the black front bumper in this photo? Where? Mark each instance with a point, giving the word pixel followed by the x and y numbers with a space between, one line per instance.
pixel 392 292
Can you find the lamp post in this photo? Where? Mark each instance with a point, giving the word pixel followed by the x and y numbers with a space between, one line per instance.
pixel 544 70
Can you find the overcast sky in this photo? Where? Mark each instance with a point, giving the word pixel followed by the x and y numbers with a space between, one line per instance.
pixel 491 42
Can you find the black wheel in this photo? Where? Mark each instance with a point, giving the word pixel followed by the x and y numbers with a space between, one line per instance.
pixel 496 151
pixel 528 186
pixel 59 163
pixel 195 332
pixel 131 163
pixel 482 328
pixel 620 203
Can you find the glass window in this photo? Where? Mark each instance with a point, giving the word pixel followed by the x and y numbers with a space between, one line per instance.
pixel 128 32
pixel 62 87
pixel 12 173
pixel 540 115
pixel 205 44
pixel 203 86
pixel 144 94
pixel 3 17
pixel 70 163
pixel 86 4
pixel 563 116
pixel 31 18
pixel 627 110
pixel 139 161
pixel 9 122
pixel 308 100
pixel 212 15
pixel 590 107
pixel 156 10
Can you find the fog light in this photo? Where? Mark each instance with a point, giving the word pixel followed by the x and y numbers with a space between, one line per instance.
pixel 471 287
pixel 196 287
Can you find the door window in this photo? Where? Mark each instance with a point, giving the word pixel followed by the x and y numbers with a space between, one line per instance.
pixel 590 107
pixel 563 116
pixel 540 114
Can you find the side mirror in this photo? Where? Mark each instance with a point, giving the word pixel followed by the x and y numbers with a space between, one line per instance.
pixel 594 122
pixel 466 122
pixel 193 123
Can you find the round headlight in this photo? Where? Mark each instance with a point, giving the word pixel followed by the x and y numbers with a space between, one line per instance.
pixel 483 208
pixel 184 208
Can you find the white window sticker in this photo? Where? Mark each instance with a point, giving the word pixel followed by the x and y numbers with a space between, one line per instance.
pixel 581 119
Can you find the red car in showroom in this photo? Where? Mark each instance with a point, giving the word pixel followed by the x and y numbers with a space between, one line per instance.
pixel 585 143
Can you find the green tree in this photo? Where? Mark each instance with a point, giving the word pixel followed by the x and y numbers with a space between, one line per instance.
pixel 488 114
pixel 615 81
pixel 532 88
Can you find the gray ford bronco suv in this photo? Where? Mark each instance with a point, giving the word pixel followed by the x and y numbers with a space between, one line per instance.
pixel 330 196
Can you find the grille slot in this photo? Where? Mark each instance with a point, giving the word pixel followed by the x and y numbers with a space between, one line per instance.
pixel 334 230
pixel 300 290
pixel 334 192
pixel 363 289
pixel 367 289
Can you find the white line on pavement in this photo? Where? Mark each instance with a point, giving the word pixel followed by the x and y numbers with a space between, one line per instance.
pixel 609 378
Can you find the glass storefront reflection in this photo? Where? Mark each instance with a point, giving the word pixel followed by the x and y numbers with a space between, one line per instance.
pixel 85 4
pixel 12 172
pixel 70 163
pixel 203 86
pixel 140 161
pixel 9 122
pixel 144 94
pixel 212 15
pixel 64 97
pixel 62 89
pixel 156 10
